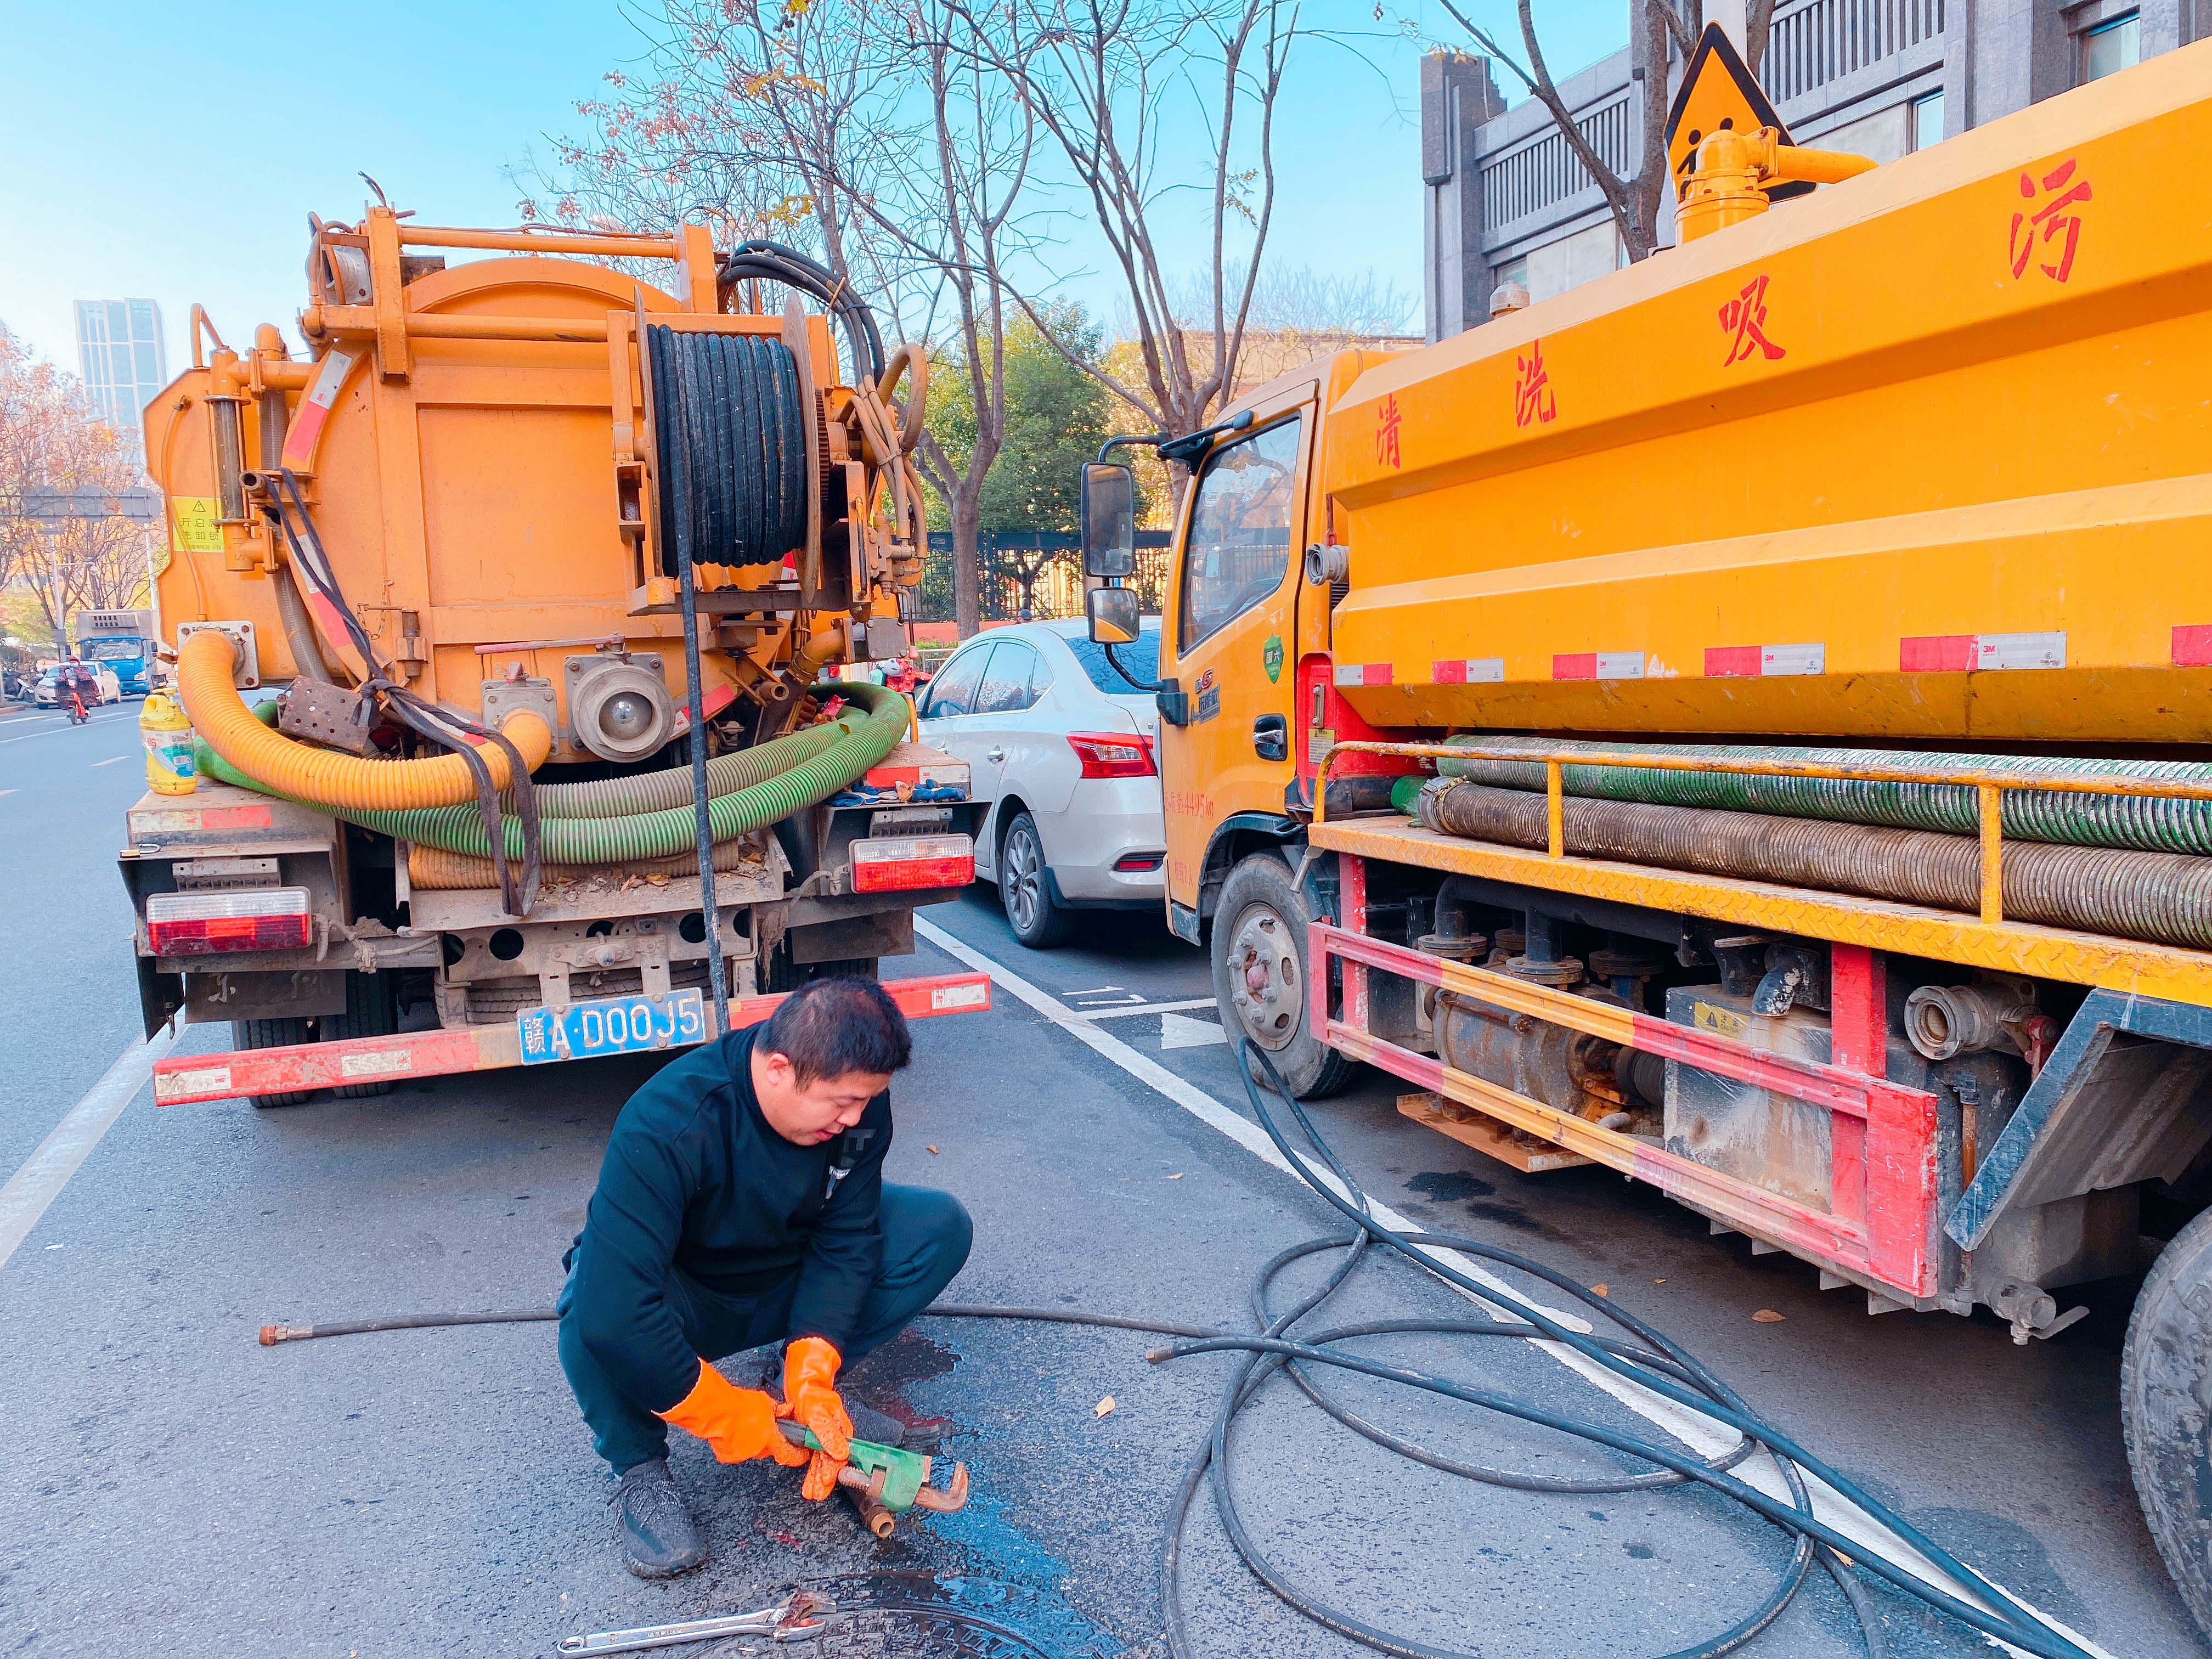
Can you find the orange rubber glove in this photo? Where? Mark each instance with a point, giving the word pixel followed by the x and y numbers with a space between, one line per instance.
pixel 739 1424
pixel 810 1391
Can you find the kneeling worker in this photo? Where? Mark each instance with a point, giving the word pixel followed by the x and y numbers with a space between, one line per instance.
pixel 742 1202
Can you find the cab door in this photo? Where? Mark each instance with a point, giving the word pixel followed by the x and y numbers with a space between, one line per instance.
pixel 1231 638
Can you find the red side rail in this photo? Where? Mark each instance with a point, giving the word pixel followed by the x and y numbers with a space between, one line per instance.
pixel 1883 1161
pixel 184 1079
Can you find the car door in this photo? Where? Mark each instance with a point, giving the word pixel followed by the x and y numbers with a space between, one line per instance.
pixel 1231 642
pixel 947 719
pixel 1002 727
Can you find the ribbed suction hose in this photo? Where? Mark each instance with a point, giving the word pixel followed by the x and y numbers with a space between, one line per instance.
pixel 267 760
pixel 627 840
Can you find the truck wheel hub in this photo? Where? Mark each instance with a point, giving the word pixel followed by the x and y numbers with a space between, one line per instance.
pixel 1264 978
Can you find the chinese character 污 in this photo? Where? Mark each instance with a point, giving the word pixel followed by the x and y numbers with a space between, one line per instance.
pixel 1386 431
pixel 1745 318
pixel 1533 397
pixel 2052 217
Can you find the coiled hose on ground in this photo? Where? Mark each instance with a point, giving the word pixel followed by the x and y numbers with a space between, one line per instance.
pixel 261 759
pixel 2143 822
pixel 2165 898
pixel 1648 1358
pixel 631 837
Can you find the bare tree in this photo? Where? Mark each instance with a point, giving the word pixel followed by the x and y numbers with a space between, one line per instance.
pixel 1100 77
pixel 1657 26
pixel 52 444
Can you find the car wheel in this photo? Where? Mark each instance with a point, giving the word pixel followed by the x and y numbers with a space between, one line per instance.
pixel 2166 1367
pixel 1025 890
pixel 372 1010
pixel 1260 977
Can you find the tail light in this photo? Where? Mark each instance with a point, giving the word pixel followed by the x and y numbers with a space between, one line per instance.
pixel 1113 754
pixel 1135 861
pixel 201 924
pixel 904 864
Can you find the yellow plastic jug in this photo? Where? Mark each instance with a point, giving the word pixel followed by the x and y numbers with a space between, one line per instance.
pixel 167 736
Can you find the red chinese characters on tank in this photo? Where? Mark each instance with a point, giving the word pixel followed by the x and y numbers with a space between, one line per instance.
pixel 1386 431
pixel 1533 396
pixel 1744 320
pixel 2054 221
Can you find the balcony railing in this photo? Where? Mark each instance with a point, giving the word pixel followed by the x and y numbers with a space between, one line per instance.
pixel 1824 40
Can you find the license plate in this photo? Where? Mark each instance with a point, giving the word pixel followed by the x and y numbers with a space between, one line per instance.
pixel 611 1025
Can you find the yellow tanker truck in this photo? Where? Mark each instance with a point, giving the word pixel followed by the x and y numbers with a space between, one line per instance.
pixel 549 560
pixel 1748 722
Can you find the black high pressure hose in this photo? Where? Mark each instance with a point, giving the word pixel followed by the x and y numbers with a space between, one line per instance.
pixel 772 262
pixel 1651 1360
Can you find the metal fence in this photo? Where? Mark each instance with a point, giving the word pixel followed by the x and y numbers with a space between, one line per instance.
pixel 1824 40
pixel 1543 171
pixel 1044 569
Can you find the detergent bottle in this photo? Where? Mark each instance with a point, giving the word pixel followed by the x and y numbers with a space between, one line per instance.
pixel 167 736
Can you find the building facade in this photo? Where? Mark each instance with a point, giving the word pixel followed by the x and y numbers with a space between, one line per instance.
pixel 123 362
pixel 1507 200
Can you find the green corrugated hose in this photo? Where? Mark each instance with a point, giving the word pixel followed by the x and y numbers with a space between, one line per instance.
pixel 2138 822
pixel 807 780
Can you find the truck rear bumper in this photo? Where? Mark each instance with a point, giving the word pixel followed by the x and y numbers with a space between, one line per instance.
pixel 183 1080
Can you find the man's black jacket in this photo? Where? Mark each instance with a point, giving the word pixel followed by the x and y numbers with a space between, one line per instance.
pixel 696 1179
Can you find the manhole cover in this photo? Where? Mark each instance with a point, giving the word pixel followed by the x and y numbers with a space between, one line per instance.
pixel 919 1615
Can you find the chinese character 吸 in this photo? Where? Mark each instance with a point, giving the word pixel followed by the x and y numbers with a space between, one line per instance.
pixel 2052 217
pixel 1745 318
pixel 1533 397
pixel 1386 431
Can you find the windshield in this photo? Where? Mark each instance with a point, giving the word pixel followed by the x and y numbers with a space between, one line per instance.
pixel 114 650
pixel 1142 659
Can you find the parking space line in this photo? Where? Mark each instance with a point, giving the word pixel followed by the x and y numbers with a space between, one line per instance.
pixel 61 1154
pixel 1703 1436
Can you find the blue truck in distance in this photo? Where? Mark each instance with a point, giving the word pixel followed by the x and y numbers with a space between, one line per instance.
pixel 121 641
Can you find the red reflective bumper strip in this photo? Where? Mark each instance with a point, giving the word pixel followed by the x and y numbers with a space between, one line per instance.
pixel 183 1080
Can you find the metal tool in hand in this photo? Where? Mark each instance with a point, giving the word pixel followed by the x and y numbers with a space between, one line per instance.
pixel 884 1481
pixel 799 1617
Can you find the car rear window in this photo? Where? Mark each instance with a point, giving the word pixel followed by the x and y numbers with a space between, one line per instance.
pixel 1142 659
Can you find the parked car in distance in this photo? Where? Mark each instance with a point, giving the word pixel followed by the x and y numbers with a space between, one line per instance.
pixel 1066 753
pixel 111 688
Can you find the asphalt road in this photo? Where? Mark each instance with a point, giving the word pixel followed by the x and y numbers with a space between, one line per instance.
pixel 166 1481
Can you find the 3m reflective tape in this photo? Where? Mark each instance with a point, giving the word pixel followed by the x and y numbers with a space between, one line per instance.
pixel 382 1063
pixel 1724 662
pixel 1363 674
pixel 948 997
pixel 1598 666
pixel 315 408
pixel 1958 653
pixel 213 1081
pixel 1469 671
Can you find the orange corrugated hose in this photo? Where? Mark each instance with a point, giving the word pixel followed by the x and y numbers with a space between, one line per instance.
pixel 220 715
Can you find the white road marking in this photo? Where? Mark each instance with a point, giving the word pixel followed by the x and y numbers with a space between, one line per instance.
pixel 1149 1008
pixel 47 1171
pixel 1703 1436
pixel 113 720
pixel 112 760
pixel 1176 1032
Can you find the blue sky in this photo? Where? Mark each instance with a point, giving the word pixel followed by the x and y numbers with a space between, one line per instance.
pixel 174 151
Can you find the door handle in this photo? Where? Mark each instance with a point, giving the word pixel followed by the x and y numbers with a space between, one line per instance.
pixel 1271 738
pixel 994 755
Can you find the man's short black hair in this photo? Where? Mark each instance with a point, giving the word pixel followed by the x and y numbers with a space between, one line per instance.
pixel 831 1028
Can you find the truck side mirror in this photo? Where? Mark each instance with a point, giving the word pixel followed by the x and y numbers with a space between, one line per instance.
pixel 1110 521
pixel 1114 616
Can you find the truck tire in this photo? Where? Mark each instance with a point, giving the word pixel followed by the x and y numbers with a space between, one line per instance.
pixel 372 1010
pixel 1260 975
pixel 1025 888
pixel 2166 1418
pixel 782 973
pixel 272 1034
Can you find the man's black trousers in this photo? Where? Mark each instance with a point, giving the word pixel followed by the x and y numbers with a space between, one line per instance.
pixel 926 1238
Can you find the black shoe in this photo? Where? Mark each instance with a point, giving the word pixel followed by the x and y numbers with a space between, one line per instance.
pixel 654 1533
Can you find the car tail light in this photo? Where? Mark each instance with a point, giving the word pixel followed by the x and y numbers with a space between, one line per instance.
pixel 885 863
pixel 1129 861
pixel 1113 754
pixel 201 924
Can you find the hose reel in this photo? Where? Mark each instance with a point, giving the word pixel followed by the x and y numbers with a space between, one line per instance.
pixel 733 406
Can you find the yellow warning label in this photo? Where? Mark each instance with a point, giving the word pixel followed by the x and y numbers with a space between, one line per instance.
pixel 1718 94
pixel 197 528
pixel 1707 1017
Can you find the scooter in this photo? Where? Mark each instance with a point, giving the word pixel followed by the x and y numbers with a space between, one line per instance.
pixel 78 713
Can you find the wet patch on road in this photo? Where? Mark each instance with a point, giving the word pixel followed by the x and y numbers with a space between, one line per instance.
pixel 1457 1187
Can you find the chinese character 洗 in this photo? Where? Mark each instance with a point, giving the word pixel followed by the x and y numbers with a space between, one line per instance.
pixel 1386 431
pixel 1745 318
pixel 2053 218
pixel 1533 396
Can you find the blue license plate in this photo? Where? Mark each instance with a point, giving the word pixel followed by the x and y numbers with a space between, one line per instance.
pixel 611 1025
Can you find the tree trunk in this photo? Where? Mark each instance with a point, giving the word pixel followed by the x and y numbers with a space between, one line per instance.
pixel 964 509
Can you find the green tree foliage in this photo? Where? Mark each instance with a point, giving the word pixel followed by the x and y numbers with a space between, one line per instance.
pixel 1056 418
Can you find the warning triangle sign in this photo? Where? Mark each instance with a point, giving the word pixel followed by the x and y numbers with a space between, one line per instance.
pixel 1718 94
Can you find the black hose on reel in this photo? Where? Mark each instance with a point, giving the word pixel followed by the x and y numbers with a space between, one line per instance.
pixel 772 262
pixel 731 405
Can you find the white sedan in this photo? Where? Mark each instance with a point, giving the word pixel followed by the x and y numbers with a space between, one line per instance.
pixel 1065 752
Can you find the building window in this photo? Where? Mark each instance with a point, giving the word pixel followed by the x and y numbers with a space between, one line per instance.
pixel 1513 271
pixel 1928 120
pixel 2110 47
